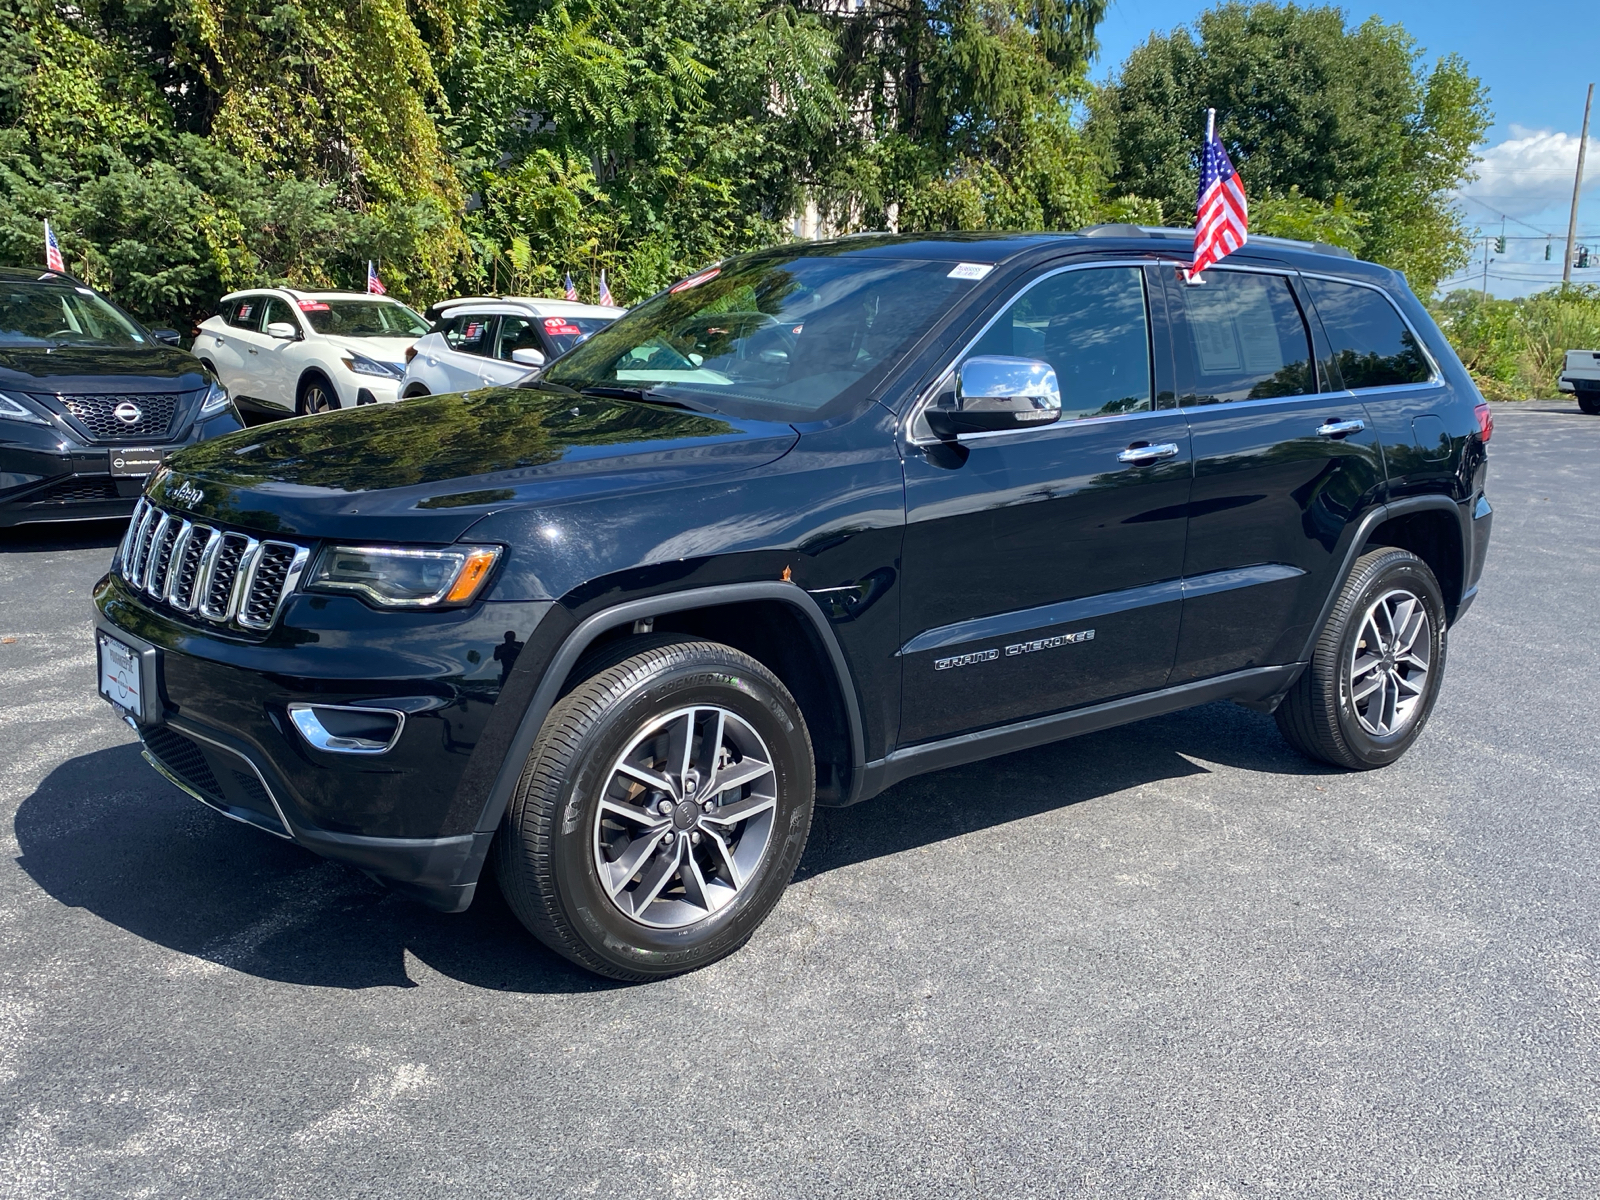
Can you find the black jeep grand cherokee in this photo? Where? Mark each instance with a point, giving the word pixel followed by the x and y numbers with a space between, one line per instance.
pixel 804 525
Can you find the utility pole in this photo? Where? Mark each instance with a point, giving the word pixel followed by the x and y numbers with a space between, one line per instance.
pixel 1577 186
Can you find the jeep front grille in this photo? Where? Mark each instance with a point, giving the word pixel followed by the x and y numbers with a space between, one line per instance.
pixel 219 575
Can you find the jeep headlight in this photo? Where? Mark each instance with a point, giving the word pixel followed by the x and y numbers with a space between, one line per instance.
pixel 403 576
pixel 216 400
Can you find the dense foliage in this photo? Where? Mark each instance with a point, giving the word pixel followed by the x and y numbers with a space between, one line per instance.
pixel 1339 132
pixel 185 147
pixel 1515 349
pixel 182 148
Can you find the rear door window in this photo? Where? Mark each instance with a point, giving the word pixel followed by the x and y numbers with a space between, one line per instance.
pixel 469 333
pixel 1245 338
pixel 1091 326
pixel 246 312
pixel 1372 346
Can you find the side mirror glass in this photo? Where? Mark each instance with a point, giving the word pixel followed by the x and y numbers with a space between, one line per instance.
pixel 996 393
pixel 528 357
pixel 283 331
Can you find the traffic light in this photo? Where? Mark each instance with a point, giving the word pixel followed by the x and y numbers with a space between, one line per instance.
pixel 1500 244
pixel 1547 252
pixel 1583 258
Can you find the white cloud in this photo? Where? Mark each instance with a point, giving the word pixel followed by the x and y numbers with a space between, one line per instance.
pixel 1531 173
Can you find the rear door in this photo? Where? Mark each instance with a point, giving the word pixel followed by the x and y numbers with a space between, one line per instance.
pixel 1042 566
pixel 513 333
pixel 277 361
pixel 224 346
pixel 1283 460
pixel 1380 360
pixel 468 338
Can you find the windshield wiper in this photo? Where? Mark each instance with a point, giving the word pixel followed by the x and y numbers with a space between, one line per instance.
pixel 642 395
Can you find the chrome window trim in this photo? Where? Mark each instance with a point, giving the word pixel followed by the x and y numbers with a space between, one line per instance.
pixel 920 405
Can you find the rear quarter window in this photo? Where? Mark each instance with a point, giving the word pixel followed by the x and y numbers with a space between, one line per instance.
pixel 1371 345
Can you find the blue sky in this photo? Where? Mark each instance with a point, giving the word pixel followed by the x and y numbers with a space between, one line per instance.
pixel 1536 57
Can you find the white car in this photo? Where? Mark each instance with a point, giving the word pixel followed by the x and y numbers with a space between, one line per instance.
pixel 279 350
pixel 487 342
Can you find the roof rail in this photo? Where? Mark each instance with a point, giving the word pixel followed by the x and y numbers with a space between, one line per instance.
pixel 1111 229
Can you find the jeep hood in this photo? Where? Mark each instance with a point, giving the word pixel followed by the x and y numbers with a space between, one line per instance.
pixel 425 470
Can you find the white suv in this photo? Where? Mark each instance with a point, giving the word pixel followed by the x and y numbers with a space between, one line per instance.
pixel 487 342
pixel 278 350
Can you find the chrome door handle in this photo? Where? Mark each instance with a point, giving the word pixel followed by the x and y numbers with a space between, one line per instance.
pixel 1337 429
pixel 1140 455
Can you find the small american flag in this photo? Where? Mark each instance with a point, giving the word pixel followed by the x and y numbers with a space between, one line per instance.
pixel 374 284
pixel 52 251
pixel 1221 216
pixel 572 289
pixel 605 293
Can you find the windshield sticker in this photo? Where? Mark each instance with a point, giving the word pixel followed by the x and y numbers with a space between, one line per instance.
pixel 560 327
pixel 696 280
pixel 313 306
pixel 970 270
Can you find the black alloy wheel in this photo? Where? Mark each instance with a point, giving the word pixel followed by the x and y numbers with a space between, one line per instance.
pixel 1376 669
pixel 316 396
pixel 661 813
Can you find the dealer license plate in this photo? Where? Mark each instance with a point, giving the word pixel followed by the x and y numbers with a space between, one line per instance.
pixel 135 460
pixel 119 675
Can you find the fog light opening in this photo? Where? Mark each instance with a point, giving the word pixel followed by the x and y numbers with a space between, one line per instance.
pixel 348 729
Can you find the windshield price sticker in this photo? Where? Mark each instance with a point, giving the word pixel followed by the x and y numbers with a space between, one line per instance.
pixel 313 306
pixel 970 270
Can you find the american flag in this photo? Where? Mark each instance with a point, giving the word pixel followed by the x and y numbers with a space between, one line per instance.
pixel 605 293
pixel 572 289
pixel 374 284
pixel 1221 216
pixel 52 251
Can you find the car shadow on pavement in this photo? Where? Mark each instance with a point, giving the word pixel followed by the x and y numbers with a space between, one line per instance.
pixel 103 832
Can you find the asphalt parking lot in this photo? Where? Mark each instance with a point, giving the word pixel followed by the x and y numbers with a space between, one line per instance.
pixel 1169 960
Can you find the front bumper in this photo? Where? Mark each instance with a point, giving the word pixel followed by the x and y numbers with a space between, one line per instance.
pixel 45 477
pixel 215 723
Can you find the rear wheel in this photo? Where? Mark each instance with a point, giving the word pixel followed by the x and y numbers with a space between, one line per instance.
pixel 316 395
pixel 661 813
pixel 1376 669
pixel 1589 401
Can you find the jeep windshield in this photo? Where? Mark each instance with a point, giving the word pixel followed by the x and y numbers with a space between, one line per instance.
pixel 363 318
pixel 778 336
pixel 33 314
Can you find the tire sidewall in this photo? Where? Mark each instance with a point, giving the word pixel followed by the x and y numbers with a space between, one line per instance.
pixel 1409 573
pixel 602 926
pixel 316 382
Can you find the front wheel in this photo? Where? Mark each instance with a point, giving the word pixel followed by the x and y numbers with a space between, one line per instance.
pixel 1375 672
pixel 316 396
pixel 661 813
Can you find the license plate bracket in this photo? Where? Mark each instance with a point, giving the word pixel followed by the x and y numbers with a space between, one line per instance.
pixel 131 461
pixel 121 675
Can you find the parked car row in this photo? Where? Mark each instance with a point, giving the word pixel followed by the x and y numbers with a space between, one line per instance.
pixel 91 402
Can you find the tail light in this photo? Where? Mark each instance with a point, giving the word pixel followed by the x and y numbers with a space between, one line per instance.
pixel 1485 420
pixel 411 352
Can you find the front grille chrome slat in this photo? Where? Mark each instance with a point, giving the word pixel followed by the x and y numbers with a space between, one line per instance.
pixel 218 575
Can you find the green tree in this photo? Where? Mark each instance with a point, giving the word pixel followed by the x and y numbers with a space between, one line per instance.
pixel 1337 130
